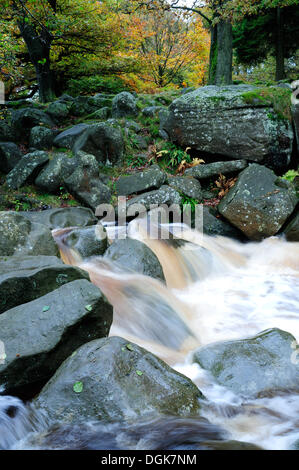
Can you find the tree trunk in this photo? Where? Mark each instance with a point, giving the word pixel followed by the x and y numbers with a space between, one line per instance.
pixel 39 46
pixel 279 55
pixel 221 54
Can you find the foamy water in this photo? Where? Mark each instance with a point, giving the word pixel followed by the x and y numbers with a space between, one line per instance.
pixel 217 290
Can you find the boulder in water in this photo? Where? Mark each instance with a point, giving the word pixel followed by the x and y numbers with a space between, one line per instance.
pixel 87 241
pixel 254 367
pixel 26 278
pixel 62 218
pixel 57 324
pixel 110 379
pixel 134 255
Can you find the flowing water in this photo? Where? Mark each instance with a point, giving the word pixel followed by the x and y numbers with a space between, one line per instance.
pixel 216 289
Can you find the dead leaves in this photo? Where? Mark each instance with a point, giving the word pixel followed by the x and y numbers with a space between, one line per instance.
pixel 224 185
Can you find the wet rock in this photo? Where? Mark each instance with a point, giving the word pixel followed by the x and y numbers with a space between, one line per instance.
pixel 124 104
pixel 10 155
pixel 134 255
pixel 20 236
pixel 115 381
pixel 27 169
pixel 26 278
pixel 87 241
pixel 62 218
pixel 292 229
pixel 229 121
pixel 41 138
pixel 24 119
pixel 214 169
pixel 103 141
pixel 84 182
pixel 67 138
pixel 57 324
pixel 59 168
pixel 259 203
pixel 213 225
pixel 140 181
pixel 186 185
pixel 255 367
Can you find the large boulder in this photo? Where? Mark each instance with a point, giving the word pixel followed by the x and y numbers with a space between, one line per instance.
pixel 103 141
pixel 53 175
pixel 63 218
pixel 82 105
pixel 84 182
pixel 24 119
pixel 134 255
pixel 233 121
pixel 27 278
pixel 27 169
pixel 259 203
pixel 110 379
pixel 254 367
pixel 10 155
pixel 67 138
pixel 124 104
pixel 19 236
pixel 6 132
pixel 41 138
pixel 57 324
pixel 153 178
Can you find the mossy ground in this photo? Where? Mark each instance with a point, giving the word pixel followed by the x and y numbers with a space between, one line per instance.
pixel 276 97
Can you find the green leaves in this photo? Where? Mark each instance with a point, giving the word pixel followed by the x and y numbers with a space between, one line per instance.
pixel 138 372
pixel 46 308
pixel 78 387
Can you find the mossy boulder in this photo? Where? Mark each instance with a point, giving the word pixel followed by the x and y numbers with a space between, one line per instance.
pixel 109 379
pixel 27 169
pixel 241 122
pixel 10 156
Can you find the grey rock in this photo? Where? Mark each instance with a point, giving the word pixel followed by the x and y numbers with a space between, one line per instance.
pixel 10 155
pixel 103 141
pixel 87 241
pixel 59 168
pixel 27 169
pixel 140 181
pixel 186 185
pixel 213 225
pixel 102 114
pixel 151 111
pixel 62 218
pixel 254 367
pixel 134 255
pixel 259 203
pixel 20 236
pixel 291 231
pixel 208 170
pixel 6 132
pixel 24 119
pixel 133 126
pixel 218 120
pixel 26 278
pixel 67 138
pixel 165 195
pixel 84 182
pixel 41 138
pixel 58 110
pixel 124 104
pixel 57 324
pixel 82 106
pixel 118 383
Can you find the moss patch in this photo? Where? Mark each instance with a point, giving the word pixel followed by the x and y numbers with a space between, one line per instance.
pixel 278 98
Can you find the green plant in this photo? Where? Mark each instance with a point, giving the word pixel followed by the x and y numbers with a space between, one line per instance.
pixel 188 201
pixel 96 84
pixel 290 175
pixel 174 155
